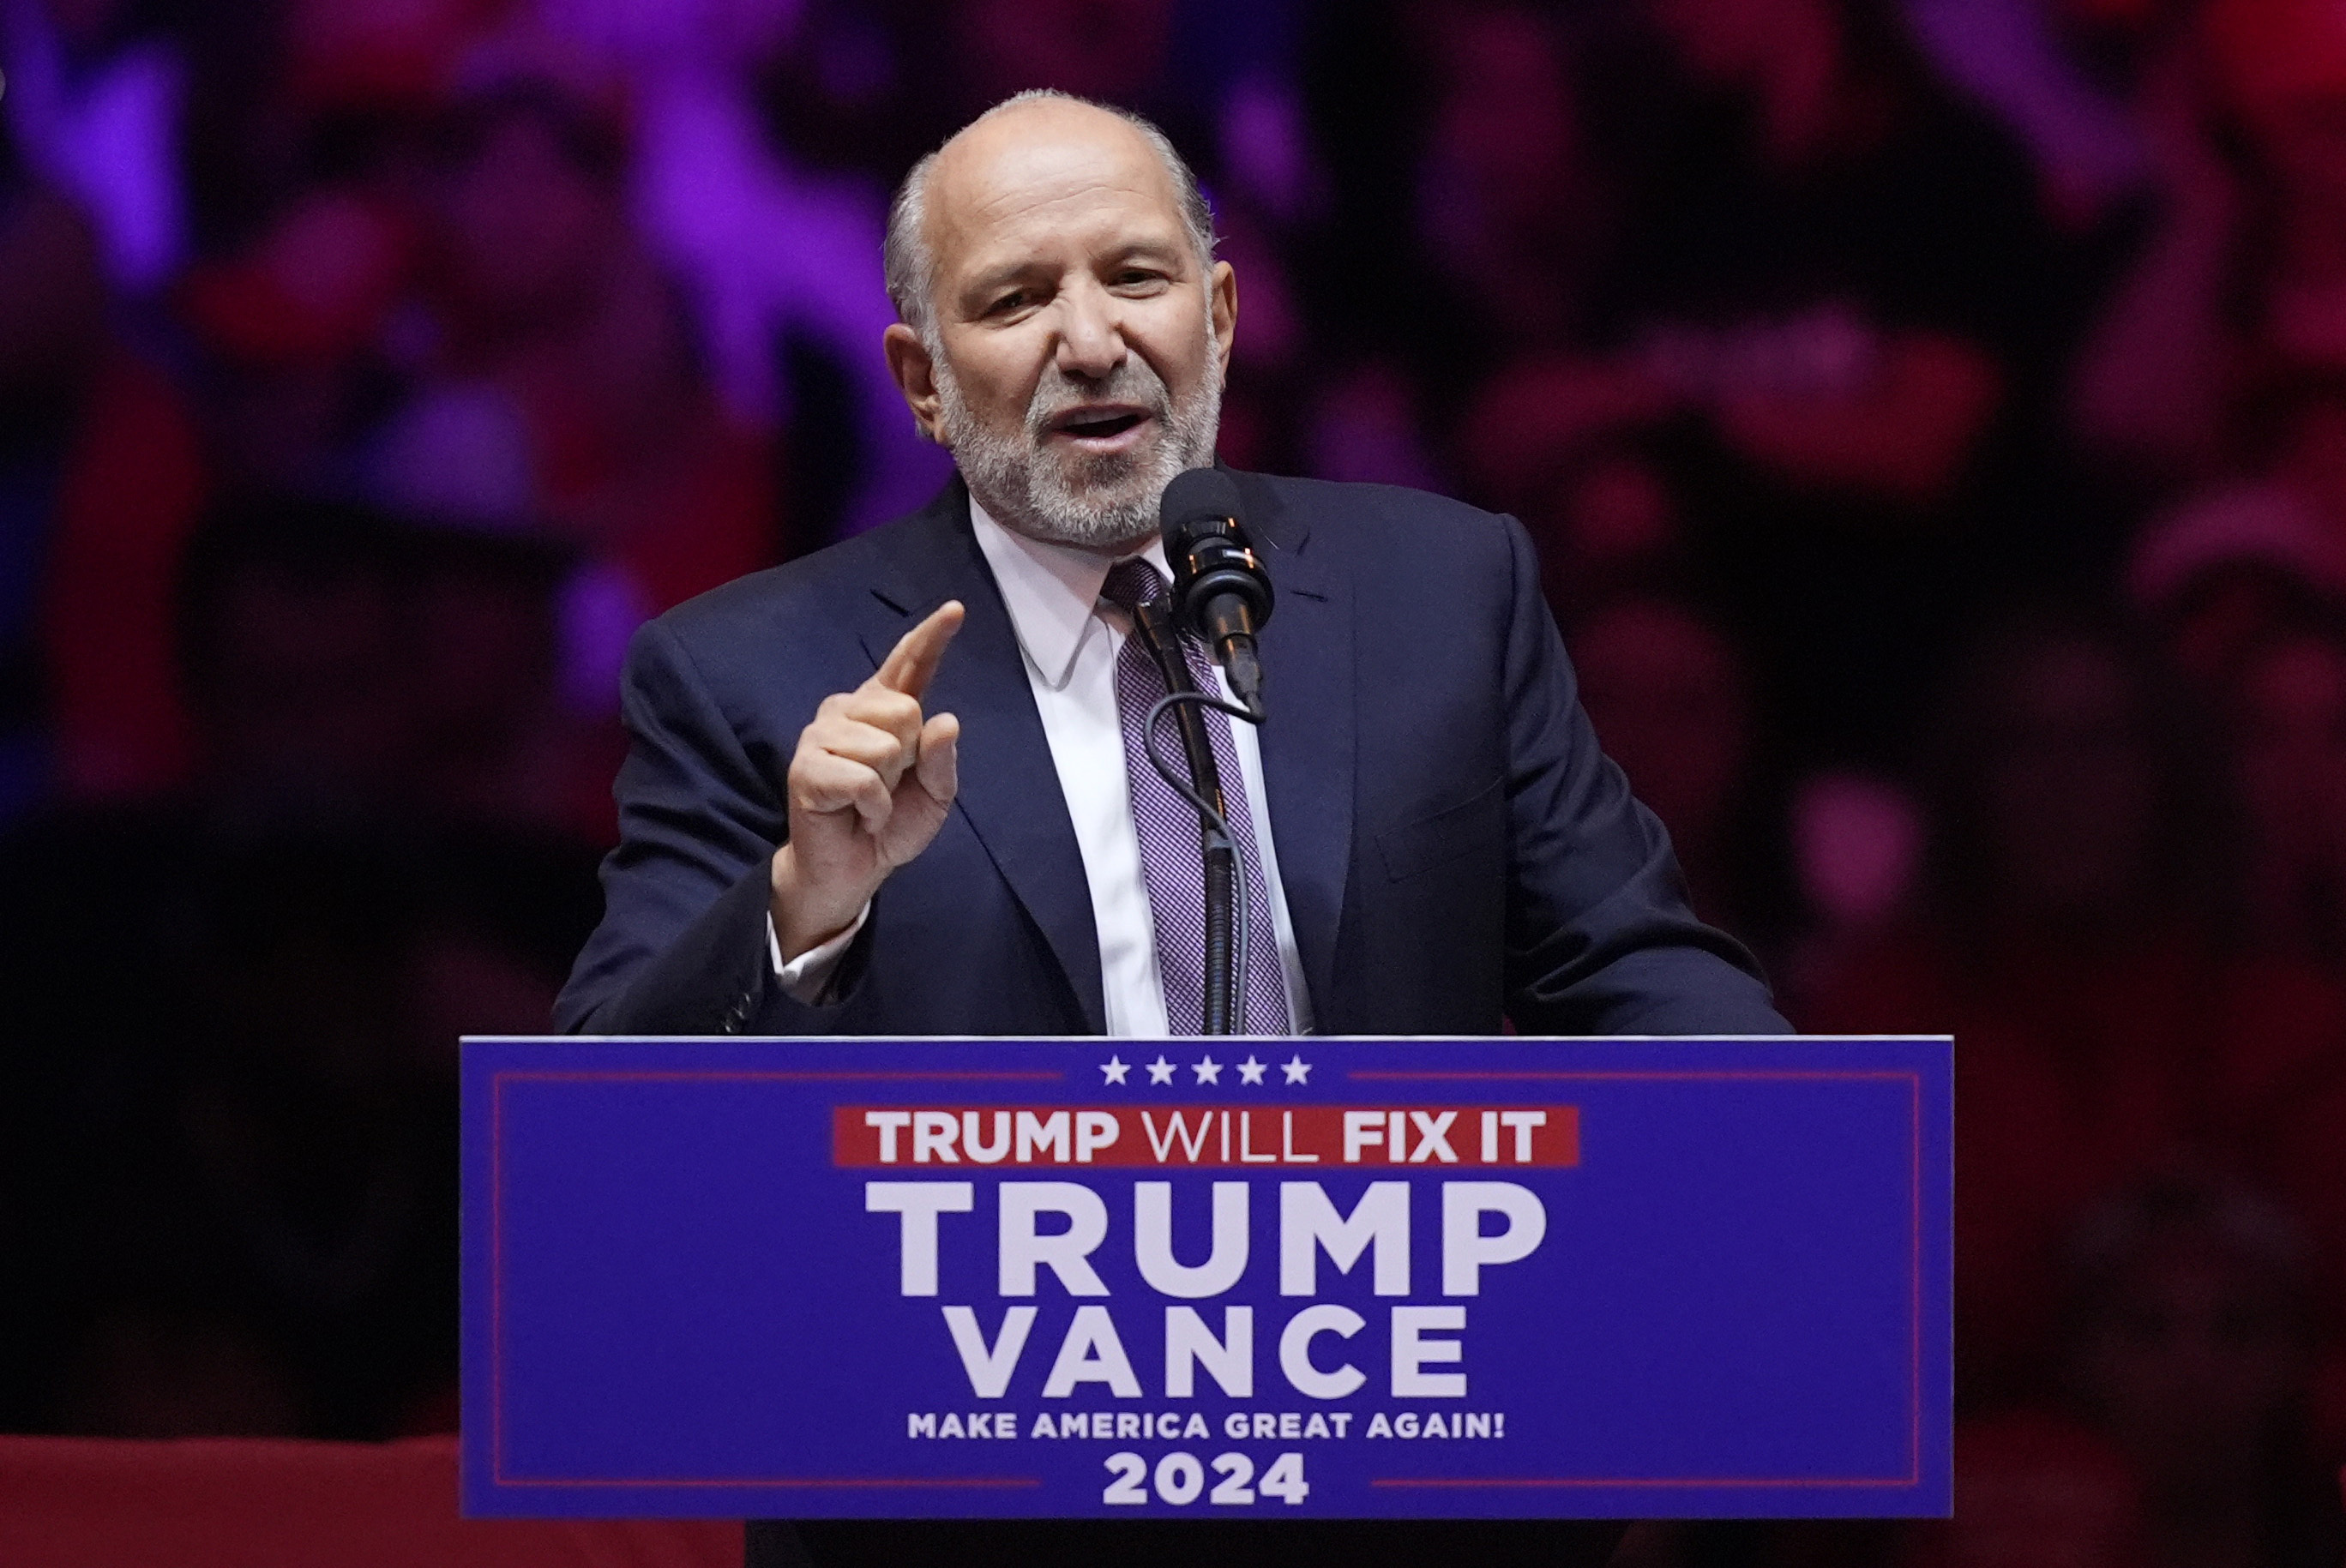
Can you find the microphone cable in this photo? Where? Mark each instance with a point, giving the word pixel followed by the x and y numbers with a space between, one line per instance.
pixel 1219 837
pixel 1224 1003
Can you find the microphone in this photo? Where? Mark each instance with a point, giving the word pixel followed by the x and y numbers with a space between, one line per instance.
pixel 1220 591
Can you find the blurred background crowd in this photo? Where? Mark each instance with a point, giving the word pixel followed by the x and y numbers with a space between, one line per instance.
pixel 1932 415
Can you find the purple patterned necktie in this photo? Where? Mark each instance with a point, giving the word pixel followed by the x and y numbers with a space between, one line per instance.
pixel 1167 827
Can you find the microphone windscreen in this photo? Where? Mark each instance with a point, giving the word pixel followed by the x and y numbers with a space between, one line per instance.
pixel 1196 495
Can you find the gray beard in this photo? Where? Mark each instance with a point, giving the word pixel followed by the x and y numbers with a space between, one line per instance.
pixel 1107 501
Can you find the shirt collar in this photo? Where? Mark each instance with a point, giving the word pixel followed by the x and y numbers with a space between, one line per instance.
pixel 1051 592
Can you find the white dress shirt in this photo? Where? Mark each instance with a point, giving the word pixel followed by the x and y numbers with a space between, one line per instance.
pixel 1070 639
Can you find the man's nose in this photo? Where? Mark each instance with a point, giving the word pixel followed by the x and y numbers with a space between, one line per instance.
pixel 1091 333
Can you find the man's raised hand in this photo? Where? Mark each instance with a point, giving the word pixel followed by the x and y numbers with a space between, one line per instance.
pixel 869 788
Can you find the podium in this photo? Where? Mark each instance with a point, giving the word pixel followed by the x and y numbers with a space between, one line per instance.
pixel 1311 1279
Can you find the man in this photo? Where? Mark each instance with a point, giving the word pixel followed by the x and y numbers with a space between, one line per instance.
pixel 893 790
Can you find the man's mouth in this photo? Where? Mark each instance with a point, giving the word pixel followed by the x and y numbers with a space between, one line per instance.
pixel 1101 424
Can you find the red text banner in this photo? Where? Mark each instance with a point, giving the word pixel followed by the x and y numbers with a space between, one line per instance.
pixel 1207 1137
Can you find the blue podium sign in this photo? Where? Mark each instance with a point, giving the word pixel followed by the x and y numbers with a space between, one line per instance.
pixel 1309 1279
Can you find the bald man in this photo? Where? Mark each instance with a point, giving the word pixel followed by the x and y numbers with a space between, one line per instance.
pixel 884 790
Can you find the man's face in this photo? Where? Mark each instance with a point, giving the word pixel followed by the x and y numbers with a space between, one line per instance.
pixel 1076 362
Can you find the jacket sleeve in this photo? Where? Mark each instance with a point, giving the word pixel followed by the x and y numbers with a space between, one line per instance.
pixel 681 949
pixel 1601 938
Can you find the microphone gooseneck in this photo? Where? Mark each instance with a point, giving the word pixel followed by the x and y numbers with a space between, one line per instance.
pixel 1224 1006
pixel 1220 591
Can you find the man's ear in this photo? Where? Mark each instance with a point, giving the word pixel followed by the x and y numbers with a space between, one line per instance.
pixel 915 375
pixel 1222 299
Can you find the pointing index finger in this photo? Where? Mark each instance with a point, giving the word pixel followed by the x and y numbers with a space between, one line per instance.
pixel 912 663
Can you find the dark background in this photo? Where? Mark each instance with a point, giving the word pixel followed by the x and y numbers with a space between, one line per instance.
pixel 1932 415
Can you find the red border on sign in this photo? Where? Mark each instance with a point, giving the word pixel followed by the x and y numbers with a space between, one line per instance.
pixel 497 1281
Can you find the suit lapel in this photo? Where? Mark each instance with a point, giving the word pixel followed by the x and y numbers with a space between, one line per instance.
pixel 1010 793
pixel 1308 743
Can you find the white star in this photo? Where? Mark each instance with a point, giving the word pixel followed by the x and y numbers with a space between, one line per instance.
pixel 1160 1070
pixel 1296 1068
pixel 1251 1070
pixel 1208 1070
pixel 1114 1069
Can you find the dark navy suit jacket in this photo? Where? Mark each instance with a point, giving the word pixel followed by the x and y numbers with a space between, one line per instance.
pixel 1456 848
